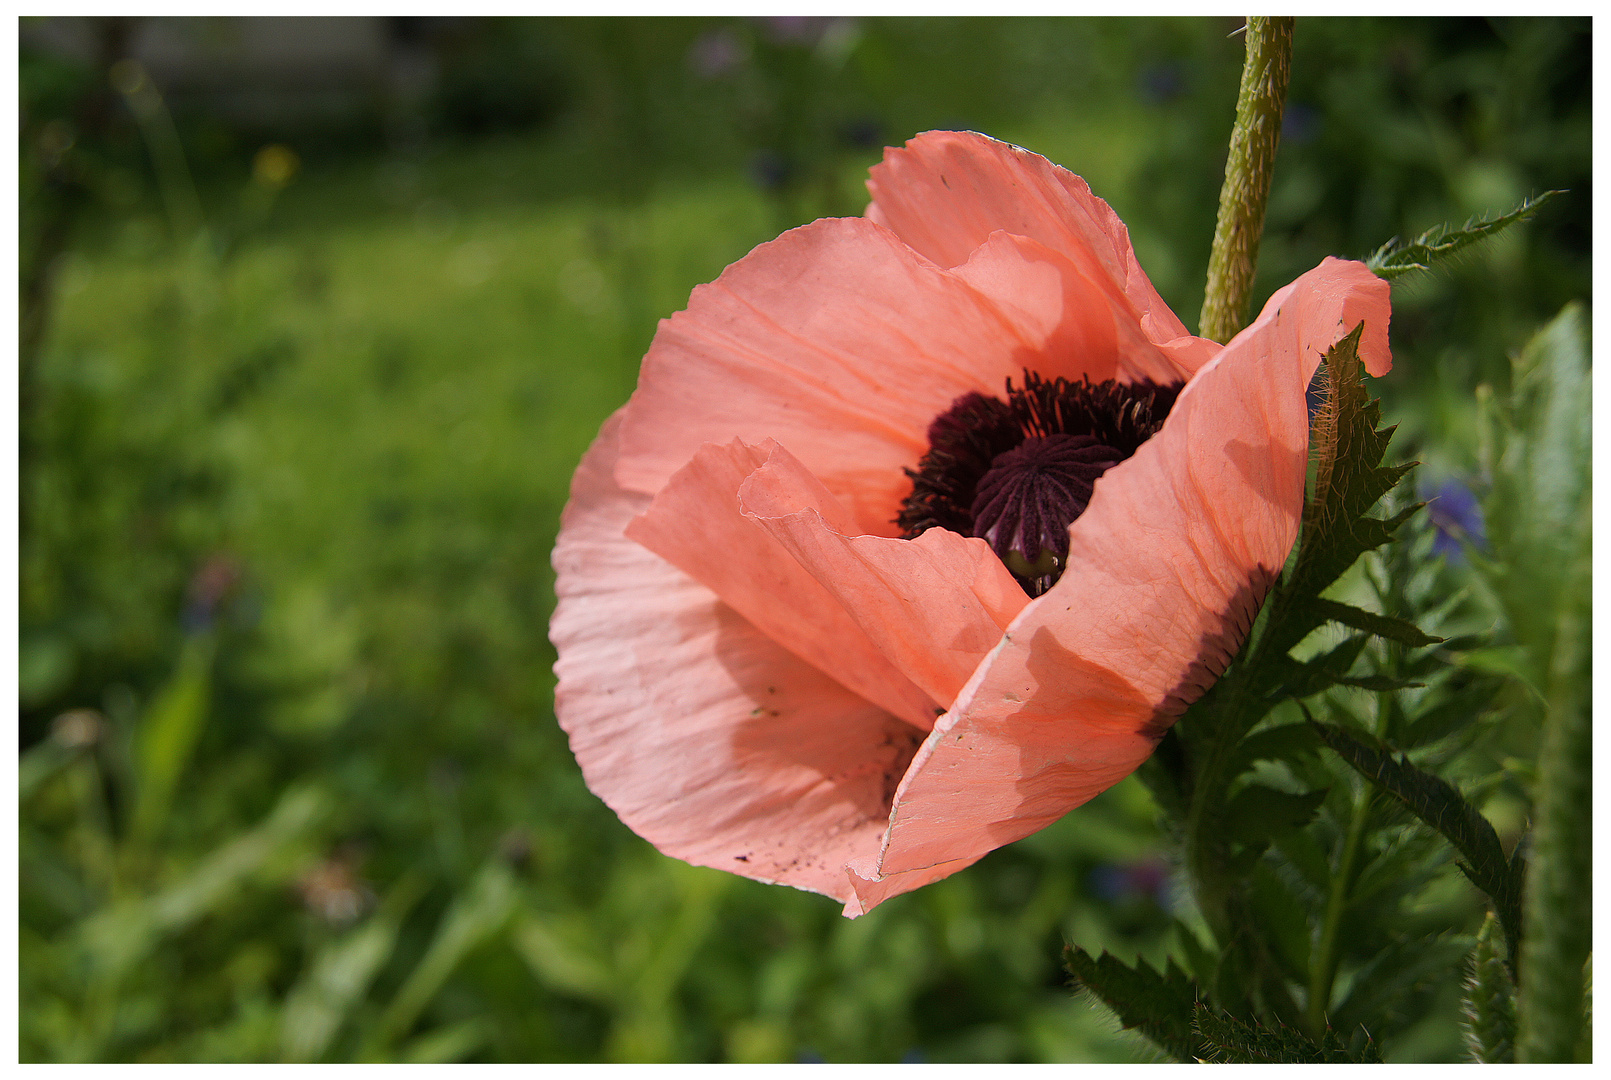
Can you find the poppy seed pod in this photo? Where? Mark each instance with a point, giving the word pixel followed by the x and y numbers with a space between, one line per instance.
pixel 922 528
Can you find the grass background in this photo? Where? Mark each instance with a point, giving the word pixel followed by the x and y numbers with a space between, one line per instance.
pixel 291 784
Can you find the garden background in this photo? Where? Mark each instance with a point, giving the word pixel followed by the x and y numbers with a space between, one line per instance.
pixel 318 317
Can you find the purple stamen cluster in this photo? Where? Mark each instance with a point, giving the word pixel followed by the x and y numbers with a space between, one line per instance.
pixel 1018 472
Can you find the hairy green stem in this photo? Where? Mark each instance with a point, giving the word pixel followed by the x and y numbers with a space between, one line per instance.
pixel 1205 851
pixel 1242 199
pixel 1323 966
pixel 1557 917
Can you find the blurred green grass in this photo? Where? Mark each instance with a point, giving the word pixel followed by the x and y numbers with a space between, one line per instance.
pixel 287 529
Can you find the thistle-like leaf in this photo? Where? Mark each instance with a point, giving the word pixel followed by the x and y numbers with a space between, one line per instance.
pixel 1471 695
pixel 1235 1041
pixel 1324 671
pixel 1257 814
pixel 1394 259
pixel 1282 915
pixel 1441 806
pixel 1283 742
pixel 1157 1005
pixel 1381 625
pixel 1349 481
pixel 1393 988
pixel 1489 1006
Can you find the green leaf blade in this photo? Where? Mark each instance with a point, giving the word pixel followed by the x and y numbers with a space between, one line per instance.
pixel 1394 259
pixel 1157 1005
pixel 1441 806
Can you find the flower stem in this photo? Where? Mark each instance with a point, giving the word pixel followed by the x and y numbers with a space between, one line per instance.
pixel 1323 967
pixel 1259 104
pixel 1556 932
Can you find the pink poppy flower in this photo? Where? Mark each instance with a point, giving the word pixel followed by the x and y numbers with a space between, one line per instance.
pixel 921 528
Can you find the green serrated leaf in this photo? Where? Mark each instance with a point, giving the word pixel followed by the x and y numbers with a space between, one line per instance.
pixel 1390 991
pixel 1283 742
pixel 1257 813
pixel 1381 625
pixel 1200 960
pixel 1234 1041
pixel 1282 916
pixel 1324 671
pixel 1378 682
pixel 1393 259
pixel 1461 707
pixel 1538 450
pixel 1440 805
pixel 1157 1005
pixel 1349 481
pixel 1402 867
pixel 1489 1006
pixel 1306 856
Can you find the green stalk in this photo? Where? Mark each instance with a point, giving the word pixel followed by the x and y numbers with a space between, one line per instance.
pixel 1205 847
pixel 1558 916
pixel 1323 968
pixel 1259 104
pixel 1232 709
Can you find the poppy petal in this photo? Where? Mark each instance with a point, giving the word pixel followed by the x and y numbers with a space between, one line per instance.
pixel 1167 569
pixel 873 889
pixel 706 737
pixel 841 343
pixel 945 192
pixel 1084 322
pixel 695 523
pixel 934 606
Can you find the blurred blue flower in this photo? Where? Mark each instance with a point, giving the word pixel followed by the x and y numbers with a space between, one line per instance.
pixel 1119 882
pixel 1457 515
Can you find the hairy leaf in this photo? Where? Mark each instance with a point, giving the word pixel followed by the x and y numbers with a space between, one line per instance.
pixel 1307 858
pixel 1394 259
pixel 1200 960
pixel 1440 805
pixel 1349 481
pixel 1489 1005
pixel 1157 1005
pixel 1390 992
pixel 1283 918
pixel 1257 813
pixel 1538 450
pixel 1473 696
pixel 1378 682
pixel 1381 625
pixel 1324 671
pixel 1283 742
pixel 1235 1041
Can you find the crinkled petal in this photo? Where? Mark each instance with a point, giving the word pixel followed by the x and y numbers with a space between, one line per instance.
pixel 934 606
pixel 695 524
pixel 841 343
pixel 1167 569
pixel 707 738
pixel 1079 314
pixel 873 889
pixel 945 192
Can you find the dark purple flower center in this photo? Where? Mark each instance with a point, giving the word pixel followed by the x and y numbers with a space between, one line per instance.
pixel 1018 472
